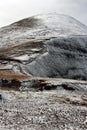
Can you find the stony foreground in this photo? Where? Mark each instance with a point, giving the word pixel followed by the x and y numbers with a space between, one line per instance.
pixel 64 108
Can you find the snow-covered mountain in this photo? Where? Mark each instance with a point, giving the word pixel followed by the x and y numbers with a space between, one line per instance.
pixel 51 45
pixel 40 27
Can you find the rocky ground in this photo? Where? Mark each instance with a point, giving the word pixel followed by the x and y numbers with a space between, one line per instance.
pixel 59 105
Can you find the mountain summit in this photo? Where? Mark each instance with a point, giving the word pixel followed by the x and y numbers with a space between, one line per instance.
pixel 40 27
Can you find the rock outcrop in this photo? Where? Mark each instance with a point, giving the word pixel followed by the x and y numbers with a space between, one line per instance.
pixel 65 57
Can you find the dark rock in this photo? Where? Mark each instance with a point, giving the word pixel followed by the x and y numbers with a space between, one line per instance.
pixel 68 87
pixel 66 58
pixel 0 97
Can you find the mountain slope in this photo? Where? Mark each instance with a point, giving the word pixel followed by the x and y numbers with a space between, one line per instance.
pixel 51 45
pixel 40 27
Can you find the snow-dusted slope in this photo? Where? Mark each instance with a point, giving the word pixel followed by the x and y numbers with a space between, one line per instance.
pixel 49 45
pixel 40 27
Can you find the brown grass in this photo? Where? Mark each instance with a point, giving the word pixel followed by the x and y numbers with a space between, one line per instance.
pixel 8 74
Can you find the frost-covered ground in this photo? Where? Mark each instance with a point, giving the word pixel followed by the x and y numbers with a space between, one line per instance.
pixel 60 109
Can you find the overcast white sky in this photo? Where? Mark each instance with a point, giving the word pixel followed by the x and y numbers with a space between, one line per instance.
pixel 13 10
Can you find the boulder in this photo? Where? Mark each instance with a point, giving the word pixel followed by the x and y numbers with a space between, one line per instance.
pixel 6 95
